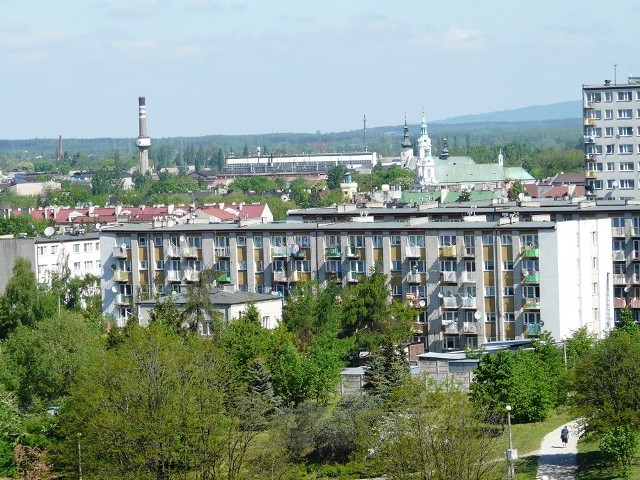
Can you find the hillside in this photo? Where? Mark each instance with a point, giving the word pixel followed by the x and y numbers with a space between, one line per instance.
pixel 555 111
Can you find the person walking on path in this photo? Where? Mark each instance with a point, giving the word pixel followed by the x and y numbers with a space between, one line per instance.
pixel 564 436
pixel 557 460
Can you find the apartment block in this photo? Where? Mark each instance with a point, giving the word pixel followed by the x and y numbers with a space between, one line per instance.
pixel 474 275
pixel 612 139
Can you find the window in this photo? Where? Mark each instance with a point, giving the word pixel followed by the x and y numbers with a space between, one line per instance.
pixel 88 247
pixel 450 342
pixel 450 316
pixel 625 131
pixel 396 290
pixel 416 240
pixel 506 239
pixel 625 149
pixel 54 249
pixel 608 131
pixel 279 241
pixel 304 266
pixel 126 241
pixel 529 266
pixel 257 241
pixel 396 265
pixel 418 266
pixel 395 240
pixel 491 317
pixel 624 96
pixel 157 241
pixel 447 240
pixel 509 291
pixel 610 165
pixel 242 264
pixel 447 266
pixel 487 239
pixel 76 248
pixel 530 292
pixel 98 264
pixel 594 288
pixel 626 166
pixel 241 241
pixel 144 264
pixel 490 291
pixel 594 238
pixel 469 266
pixel 625 113
pixel 142 241
pixel 42 250
pixel 611 184
pixel 88 265
pixel 489 266
pixel 194 242
pixel 529 239
pixel 356 266
pixel 259 266
pixel 608 96
pixel 608 114
pixel 334 266
pixel 76 266
pixel 159 265
pixel 507 265
pixel 594 262
pixel 626 184
pixel 356 241
pixel 377 241
pixel 594 96
pixel 610 150
pixel 303 241
pixel 509 317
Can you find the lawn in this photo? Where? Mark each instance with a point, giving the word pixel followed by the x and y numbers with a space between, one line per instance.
pixel 595 468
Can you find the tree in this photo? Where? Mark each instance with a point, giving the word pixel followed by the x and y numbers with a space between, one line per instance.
pixel 387 369
pixel 607 384
pixel 627 323
pixel 287 369
pixel 199 306
pixel 335 176
pixel 431 430
pixel 515 190
pixel 578 345
pixel 620 445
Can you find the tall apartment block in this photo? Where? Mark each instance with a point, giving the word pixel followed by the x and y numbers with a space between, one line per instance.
pixel 474 275
pixel 612 139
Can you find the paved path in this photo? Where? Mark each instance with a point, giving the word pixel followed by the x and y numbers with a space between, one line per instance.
pixel 556 462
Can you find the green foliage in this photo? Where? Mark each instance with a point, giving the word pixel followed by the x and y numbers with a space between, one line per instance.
pixel 607 384
pixel 620 446
pixel 578 345
pixel 23 224
pixel 387 369
pixel 335 176
pixel 515 190
pixel 627 323
pixel 287 369
pixel 106 182
pixel 254 184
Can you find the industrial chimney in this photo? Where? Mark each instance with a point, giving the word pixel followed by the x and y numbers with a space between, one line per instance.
pixel 143 142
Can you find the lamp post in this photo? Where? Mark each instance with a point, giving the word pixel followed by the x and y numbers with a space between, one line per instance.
pixel 511 453
pixel 79 457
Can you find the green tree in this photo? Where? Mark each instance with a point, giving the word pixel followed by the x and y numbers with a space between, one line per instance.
pixel 627 323
pixel 335 176
pixel 620 446
pixel 287 369
pixel 199 308
pixel 387 369
pixel 515 190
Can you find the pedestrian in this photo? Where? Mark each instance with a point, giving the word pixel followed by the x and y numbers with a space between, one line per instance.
pixel 564 436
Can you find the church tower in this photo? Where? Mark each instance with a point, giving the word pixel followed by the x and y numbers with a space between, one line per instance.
pixel 425 166
pixel 407 149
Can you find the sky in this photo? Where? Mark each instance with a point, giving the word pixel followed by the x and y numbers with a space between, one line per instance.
pixel 77 67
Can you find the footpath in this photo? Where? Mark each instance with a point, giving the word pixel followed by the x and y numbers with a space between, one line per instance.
pixel 556 462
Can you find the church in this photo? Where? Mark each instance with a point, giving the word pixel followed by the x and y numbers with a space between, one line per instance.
pixel 445 170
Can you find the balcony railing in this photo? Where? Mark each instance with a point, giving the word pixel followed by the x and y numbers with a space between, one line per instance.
pixel 635 255
pixel 591 174
pixel 121 276
pixel 418 328
pixel 448 277
pixel 120 252
pixel 190 252
pixel 450 326
pixel 279 252
pixel 352 252
pixel 531 251
pixel 618 256
pixel 174 275
pixel 617 231
pixel 589 122
pixel 191 275
pixel 468 277
pixel 588 139
pixel 449 302
pixel 122 299
pixel 533 328
pixel 224 277
pixel 635 278
pixel 296 276
pixel 532 304
pixel 173 251
pixel 448 251
pixel 619 302
pixel 299 255
pixel 412 251
pixel 280 276
pixel 531 277
pixel 635 231
pixel 414 278
pixel 470 328
pixel 333 251
pixel 619 279
pixel 469 302
pixel 223 251
pixel 469 251
pixel 634 302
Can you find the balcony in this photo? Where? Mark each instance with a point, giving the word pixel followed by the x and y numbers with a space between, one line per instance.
pixel 191 275
pixel 635 279
pixel 619 302
pixel 174 276
pixel 618 255
pixel 412 251
pixel 173 251
pixel 224 277
pixel 531 251
pixel 448 251
pixel 450 327
pixel 296 276
pixel 121 276
pixel 299 255
pixel 634 302
pixel 450 302
pixel 591 174
pixel 470 328
pixel 333 251
pixel 635 232
pixel 531 277
pixel 531 304
pixel 352 252
pixel 469 252
pixel 589 122
pixel 449 277
pixel 635 255
pixel 617 231
pixel 279 252
pixel 533 328
pixel 414 278
pixel 280 276
pixel 122 299
pixel 469 302
pixel 190 252
pixel 468 277
pixel 589 139
pixel 223 252
pixel 352 277
pixel 120 252
pixel 619 279
pixel 418 328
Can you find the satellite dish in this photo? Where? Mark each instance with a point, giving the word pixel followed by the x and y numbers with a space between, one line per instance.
pixel 626 289
pixel 182 239
pixel 98 226
pixel 422 303
pixel 49 231
pixel 113 267
pixel 440 295
pixel 477 315
pixel 123 246
pixel 114 289
pixel 521 196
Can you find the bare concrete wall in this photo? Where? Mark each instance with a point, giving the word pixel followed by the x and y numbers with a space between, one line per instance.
pixel 10 249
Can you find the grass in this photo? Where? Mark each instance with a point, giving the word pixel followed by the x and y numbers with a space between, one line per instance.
pixel 594 466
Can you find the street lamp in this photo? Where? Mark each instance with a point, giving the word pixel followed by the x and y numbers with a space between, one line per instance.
pixel 79 457
pixel 512 454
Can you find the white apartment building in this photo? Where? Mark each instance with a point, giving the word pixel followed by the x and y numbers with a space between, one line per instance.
pixel 612 139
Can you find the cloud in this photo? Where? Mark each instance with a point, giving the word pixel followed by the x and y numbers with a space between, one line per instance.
pixel 13 27
pixel 132 9
pixel 451 40
pixel 200 6
pixel 43 40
